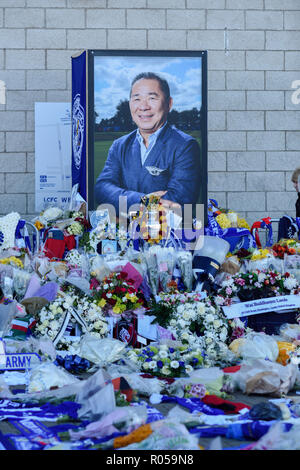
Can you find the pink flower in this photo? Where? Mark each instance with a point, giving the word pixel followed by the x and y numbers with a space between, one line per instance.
pixel 197 390
pixel 240 281
pixel 238 332
pixel 228 290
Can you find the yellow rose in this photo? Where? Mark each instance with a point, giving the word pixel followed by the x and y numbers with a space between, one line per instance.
pixel 101 303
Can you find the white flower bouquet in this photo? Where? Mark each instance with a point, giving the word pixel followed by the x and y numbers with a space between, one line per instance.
pixel 59 314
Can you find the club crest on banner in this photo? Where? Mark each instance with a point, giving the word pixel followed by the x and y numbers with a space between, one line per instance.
pixel 78 130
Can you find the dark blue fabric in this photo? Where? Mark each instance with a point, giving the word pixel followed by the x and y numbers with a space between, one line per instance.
pixel 254 430
pixel 175 152
pixel 210 431
pixel 287 228
pixel 238 238
pixel 79 138
pixel 195 405
pixel 270 322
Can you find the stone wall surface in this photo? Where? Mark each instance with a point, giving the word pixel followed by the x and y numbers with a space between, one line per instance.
pixel 253 117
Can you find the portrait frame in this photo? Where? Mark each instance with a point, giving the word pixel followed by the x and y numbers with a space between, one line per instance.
pixel 169 58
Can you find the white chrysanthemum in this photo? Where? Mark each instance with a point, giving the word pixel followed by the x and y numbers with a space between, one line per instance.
pixel 201 308
pixel 180 308
pixel 174 364
pixel 227 282
pixel 290 283
pixel 261 277
pixel 152 365
pixel 209 318
pixel 223 335
pixel 165 370
pixel 185 336
pixel 54 325
pixel 95 335
pixel 186 316
pixel 217 323
pixel 219 300
pixel 163 354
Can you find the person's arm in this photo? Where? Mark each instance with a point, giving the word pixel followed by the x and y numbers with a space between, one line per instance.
pixel 108 186
pixel 185 182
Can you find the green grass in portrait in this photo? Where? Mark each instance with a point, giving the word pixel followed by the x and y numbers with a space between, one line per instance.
pixel 103 141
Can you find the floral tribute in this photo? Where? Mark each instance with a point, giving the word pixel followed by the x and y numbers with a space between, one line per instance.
pixel 281 250
pixel 165 361
pixel 256 285
pixel 116 294
pixel 79 224
pixel 51 318
pixel 197 324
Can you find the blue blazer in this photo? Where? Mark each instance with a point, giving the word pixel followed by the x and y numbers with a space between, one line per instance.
pixel 173 164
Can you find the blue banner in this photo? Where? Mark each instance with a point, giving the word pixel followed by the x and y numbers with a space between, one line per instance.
pixel 79 112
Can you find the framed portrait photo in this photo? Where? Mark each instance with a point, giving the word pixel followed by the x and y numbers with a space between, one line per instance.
pixel 147 126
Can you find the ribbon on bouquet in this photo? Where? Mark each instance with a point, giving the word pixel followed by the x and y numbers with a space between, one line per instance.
pixel 69 314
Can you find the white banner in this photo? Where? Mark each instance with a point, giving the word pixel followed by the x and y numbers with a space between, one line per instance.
pixel 254 307
pixel 52 155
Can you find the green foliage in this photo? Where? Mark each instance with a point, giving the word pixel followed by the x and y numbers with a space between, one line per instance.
pixel 162 312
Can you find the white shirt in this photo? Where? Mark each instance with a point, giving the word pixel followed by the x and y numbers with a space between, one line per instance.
pixel 151 142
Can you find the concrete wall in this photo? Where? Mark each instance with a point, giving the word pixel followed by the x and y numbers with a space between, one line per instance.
pixel 254 127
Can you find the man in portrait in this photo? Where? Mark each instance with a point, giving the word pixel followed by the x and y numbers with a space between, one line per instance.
pixel 156 158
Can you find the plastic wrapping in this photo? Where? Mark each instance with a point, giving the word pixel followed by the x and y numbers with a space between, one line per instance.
pixel 48 375
pixel 96 396
pixel 211 378
pixel 64 392
pixel 266 378
pixel 21 280
pixel 165 264
pixel 167 435
pixel 184 260
pixel 100 351
pixel 143 386
pixel 231 265
pixel 292 265
pixel 99 268
pixel 124 419
pixel 4 388
pixel 58 271
pixel 150 261
pixel 277 438
pixel 257 346
pixel 7 313
pixel 268 263
pixel 7 285
pixel 80 282
pixel 42 346
pixel 290 332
